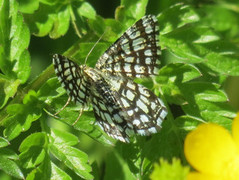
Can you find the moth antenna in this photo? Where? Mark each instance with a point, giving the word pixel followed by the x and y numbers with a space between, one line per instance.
pixel 93 47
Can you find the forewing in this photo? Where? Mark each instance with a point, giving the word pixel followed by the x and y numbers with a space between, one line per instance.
pixel 136 53
pixel 72 78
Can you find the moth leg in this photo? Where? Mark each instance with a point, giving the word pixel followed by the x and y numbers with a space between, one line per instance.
pixel 81 111
pixel 50 114
pixel 68 101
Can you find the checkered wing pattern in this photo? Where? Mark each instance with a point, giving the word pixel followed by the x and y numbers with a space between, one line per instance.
pixel 72 78
pixel 136 53
pixel 123 108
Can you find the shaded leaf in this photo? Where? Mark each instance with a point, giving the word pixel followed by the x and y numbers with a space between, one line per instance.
pixel 221 19
pixel 47 91
pixel 177 16
pixel 44 171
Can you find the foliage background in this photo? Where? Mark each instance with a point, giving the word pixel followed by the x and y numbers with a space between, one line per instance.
pixel 200 62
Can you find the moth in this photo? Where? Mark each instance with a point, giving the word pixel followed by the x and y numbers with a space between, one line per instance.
pixel 121 106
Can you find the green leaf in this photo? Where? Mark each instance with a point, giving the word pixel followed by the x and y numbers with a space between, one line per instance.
pixel 57 173
pixel 79 54
pixel 23 66
pixel 85 124
pixel 9 166
pixel 172 76
pixel 195 44
pixel 177 16
pixel 221 18
pixel 72 157
pixel 14 109
pixel 129 11
pixel 114 30
pixel 187 123
pixel 166 171
pixel 116 167
pixel 32 157
pixel 224 64
pixel 199 99
pixel 75 160
pixel 188 42
pixel 28 6
pixel 22 115
pixel 61 22
pixel 207 101
pixel 86 10
pixel 178 72
pixel 130 155
pixel 3 142
pixel 50 2
pixel 210 94
pixel 48 170
pixel 30 97
pixel 44 171
pixel 47 91
pixel 50 19
pixel 37 139
pixel 8 88
pixel 14 40
pixel 41 22
pixel 163 143
pixel 20 123
pixel 63 138
pixel 98 26
pixel 8 153
pixel 32 150
pixel 111 29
